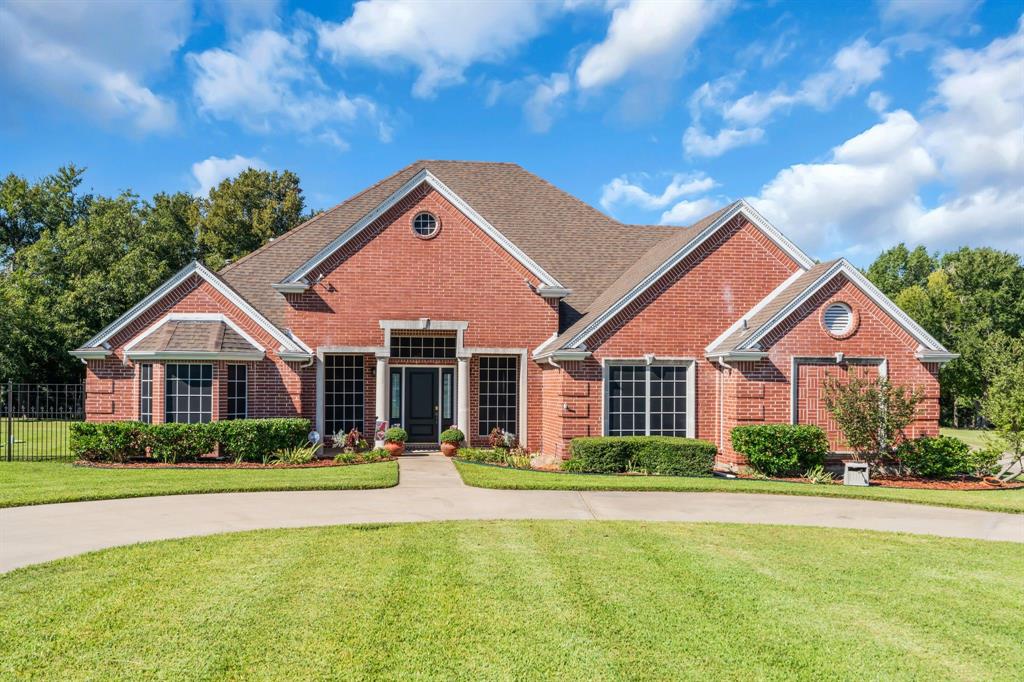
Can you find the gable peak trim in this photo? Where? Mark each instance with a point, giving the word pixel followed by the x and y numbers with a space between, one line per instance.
pixel 424 176
pixel 740 207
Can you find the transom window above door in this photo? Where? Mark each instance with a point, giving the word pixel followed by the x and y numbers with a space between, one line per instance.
pixel 648 400
pixel 429 347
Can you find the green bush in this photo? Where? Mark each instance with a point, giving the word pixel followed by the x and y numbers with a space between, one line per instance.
pixel 108 441
pixel 296 454
pixel 781 449
pixel 452 435
pixel 943 457
pixel 659 455
pixel 257 440
pixel 175 442
pixel 482 455
pixel 396 434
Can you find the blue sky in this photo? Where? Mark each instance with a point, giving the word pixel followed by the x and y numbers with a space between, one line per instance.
pixel 851 126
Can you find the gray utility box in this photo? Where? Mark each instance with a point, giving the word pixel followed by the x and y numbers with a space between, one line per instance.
pixel 856 473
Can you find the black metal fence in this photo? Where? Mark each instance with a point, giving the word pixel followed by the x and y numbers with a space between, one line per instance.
pixel 35 420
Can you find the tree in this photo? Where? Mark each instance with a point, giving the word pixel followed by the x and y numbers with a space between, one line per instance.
pixel 26 208
pixel 1003 402
pixel 872 414
pixel 243 213
pixel 899 268
pixel 77 278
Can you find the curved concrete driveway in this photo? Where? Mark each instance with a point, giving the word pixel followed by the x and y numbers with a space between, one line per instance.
pixel 431 490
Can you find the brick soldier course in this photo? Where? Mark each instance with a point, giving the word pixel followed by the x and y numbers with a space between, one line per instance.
pixel 526 309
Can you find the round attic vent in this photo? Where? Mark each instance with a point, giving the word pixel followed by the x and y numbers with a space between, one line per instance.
pixel 425 225
pixel 838 319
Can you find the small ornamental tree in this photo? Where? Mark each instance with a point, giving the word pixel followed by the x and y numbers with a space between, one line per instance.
pixel 872 414
pixel 1003 406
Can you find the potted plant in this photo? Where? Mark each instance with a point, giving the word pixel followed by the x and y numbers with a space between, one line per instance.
pixel 450 440
pixel 394 440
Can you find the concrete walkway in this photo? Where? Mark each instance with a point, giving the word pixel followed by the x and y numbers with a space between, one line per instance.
pixel 431 490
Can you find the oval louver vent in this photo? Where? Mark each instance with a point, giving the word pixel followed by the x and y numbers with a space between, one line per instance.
pixel 838 318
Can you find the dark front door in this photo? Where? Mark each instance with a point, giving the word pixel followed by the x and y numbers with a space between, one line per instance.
pixel 421 405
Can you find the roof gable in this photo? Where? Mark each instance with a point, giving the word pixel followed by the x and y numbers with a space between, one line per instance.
pixel 288 342
pixel 783 302
pixel 424 176
pixel 657 262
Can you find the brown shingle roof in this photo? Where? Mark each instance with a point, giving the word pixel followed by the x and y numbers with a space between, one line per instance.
pixel 641 268
pixel 207 336
pixel 578 245
pixel 780 301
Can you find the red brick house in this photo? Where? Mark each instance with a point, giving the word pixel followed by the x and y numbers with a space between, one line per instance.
pixel 478 294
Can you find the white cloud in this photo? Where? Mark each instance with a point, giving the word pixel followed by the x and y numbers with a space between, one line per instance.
pixel 853 67
pixel 698 143
pixel 871 193
pixel 441 39
pixel 243 16
pixel 647 37
pixel 208 173
pixel 541 106
pixel 95 57
pixel 264 81
pixel 622 190
pixel 689 212
pixel 878 101
pixel 922 13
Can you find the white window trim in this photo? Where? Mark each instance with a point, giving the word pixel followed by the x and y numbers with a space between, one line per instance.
pixel 648 360
pixel 523 397
pixel 794 367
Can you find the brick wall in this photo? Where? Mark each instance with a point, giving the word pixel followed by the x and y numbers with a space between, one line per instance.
pixel 677 317
pixel 761 391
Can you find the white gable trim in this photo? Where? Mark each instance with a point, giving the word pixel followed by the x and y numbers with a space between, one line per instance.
pixel 753 311
pixel 739 207
pixel 195 317
pixel 424 176
pixel 843 266
pixel 195 268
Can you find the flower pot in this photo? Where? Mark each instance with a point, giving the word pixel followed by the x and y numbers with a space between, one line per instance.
pixel 395 449
pixel 449 449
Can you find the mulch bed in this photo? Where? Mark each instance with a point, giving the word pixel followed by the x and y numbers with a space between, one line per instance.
pixel 315 464
pixel 918 483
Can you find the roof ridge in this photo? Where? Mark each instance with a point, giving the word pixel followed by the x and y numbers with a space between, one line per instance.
pixel 563 192
pixel 318 216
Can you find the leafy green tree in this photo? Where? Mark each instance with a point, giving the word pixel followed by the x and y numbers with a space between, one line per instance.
pixel 899 268
pixel 243 213
pixel 873 414
pixel 78 277
pixel 1003 402
pixel 27 208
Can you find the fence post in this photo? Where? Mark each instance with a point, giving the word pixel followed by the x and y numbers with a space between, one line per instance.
pixel 10 420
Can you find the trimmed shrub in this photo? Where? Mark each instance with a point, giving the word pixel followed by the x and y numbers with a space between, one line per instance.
pixel 108 441
pixel 781 449
pixel 257 440
pixel 396 434
pixel 659 455
pixel 943 457
pixel 482 455
pixel 175 442
pixel 452 435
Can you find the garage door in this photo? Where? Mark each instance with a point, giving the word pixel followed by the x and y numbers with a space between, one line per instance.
pixel 810 392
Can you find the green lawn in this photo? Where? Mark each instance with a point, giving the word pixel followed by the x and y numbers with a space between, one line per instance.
pixel 522 600
pixel 24 483
pixel 36 438
pixel 484 476
pixel 973 437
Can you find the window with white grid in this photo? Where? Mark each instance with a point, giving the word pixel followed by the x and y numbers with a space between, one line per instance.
pixel 498 395
pixel 189 394
pixel 343 393
pixel 238 392
pixel 647 400
pixel 627 400
pixel 146 394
